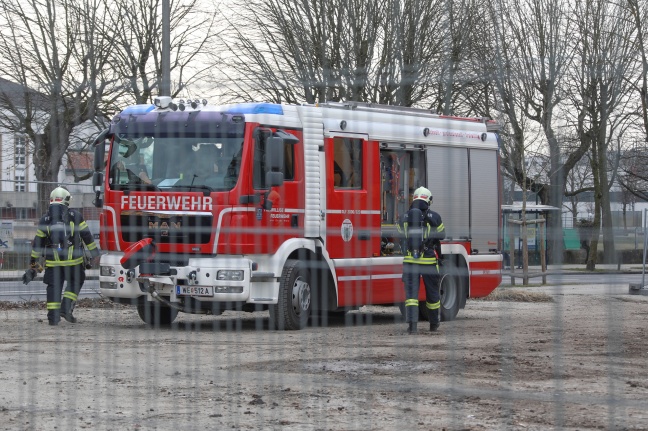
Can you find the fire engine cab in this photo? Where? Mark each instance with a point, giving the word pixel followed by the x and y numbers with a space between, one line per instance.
pixel 290 208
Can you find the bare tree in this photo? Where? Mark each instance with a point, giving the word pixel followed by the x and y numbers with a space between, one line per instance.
pixel 307 51
pixel 136 33
pixel 62 67
pixel 532 39
pixel 400 52
pixel 606 57
pixel 633 174
pixel 578 182
pixel 639 14
pixel 460 86
pixel 79 60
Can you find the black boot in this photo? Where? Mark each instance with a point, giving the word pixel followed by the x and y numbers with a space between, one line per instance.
pixel 433 316
pixel 411 328
pixel 66 310
pixel 54 317
pixel 69 317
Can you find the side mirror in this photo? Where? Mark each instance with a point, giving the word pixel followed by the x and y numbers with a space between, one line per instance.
pixel 98 202
pixel 100 150
pixel 287 137
pixel 274 179
pixel 97 184
pixel 97 179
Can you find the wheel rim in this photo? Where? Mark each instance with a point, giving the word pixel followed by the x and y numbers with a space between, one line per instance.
pixel 301 296
pixel 448 292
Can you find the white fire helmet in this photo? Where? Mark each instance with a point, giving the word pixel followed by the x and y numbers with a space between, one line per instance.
pixel 423 194
pixel 60 196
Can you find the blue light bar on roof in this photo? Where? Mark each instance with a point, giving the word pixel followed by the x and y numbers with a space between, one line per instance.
pixel 256 108
pixel 138 109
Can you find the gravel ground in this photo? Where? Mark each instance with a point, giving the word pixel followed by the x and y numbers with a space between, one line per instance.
pixel 518 360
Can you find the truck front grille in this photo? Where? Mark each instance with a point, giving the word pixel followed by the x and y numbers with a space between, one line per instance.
pixel 166 228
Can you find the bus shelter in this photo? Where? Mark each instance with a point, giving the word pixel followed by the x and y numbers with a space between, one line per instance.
pixel 513 232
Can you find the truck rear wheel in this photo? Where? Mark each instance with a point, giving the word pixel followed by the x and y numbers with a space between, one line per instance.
pixel 156 314
pixel 450 291
pixel 450 295
pixel 294 304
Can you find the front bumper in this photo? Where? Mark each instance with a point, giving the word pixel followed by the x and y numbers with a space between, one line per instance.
pixel 119 284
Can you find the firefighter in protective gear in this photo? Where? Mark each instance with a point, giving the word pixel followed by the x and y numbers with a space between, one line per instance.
pixel 421 230
pixel 60 238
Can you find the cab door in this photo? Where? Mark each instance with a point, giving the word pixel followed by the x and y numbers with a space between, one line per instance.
pixel 279 214
pixel 352 214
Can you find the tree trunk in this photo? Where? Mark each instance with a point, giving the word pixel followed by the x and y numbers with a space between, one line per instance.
pixel 47 163
pixel 609 253
pixel 555 239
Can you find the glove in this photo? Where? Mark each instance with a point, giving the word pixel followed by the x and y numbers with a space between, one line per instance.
pixel 28 276
pixel 92 262
pixel 36 266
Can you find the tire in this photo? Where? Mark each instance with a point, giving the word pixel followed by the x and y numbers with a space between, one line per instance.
pixel 451 291
pixel 294 304
pixel 401 308
pixel 156 314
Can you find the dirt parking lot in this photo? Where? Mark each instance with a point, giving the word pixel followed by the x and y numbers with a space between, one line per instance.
pixel 577 362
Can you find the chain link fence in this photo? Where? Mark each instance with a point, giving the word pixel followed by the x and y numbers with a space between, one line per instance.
pixel 566 355
pixel 19 215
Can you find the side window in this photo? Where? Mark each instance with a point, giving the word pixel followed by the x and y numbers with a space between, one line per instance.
pixel 289 167
pixel 347 163
pixel 260 159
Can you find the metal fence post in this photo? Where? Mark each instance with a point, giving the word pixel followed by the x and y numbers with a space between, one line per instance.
pixel 640 289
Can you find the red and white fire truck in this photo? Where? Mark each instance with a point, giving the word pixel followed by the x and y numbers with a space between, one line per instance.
pixel 290 208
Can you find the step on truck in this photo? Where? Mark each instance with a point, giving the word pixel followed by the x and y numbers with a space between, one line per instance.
pixel 290 208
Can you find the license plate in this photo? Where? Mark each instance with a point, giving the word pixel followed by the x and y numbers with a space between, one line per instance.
pixel 195 290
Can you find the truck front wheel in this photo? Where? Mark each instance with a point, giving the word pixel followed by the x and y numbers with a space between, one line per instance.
pixel 156 314
pixel 294 304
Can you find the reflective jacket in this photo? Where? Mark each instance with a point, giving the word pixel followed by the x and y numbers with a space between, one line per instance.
pixel 434 233
pixel 61 235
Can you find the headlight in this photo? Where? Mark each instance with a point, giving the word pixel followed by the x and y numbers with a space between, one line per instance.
pixel 108 271
pixel 230 274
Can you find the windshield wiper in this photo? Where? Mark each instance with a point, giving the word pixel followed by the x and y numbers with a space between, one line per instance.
pixel 137 187
pixel 195 187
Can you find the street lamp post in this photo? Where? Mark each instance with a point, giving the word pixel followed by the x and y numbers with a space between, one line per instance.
pixel 165 84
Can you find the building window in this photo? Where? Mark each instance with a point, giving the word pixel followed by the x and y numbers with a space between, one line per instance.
pixel 19 185
pixel 20 150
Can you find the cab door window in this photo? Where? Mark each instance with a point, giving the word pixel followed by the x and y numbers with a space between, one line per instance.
pixel 258 175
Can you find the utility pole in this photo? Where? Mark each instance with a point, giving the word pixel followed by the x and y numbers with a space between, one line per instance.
pixel 165 84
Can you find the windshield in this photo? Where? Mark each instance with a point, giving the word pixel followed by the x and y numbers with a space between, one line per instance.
pixel 152 163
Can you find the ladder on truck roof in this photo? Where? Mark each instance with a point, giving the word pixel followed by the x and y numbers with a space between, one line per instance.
pixel 491 125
